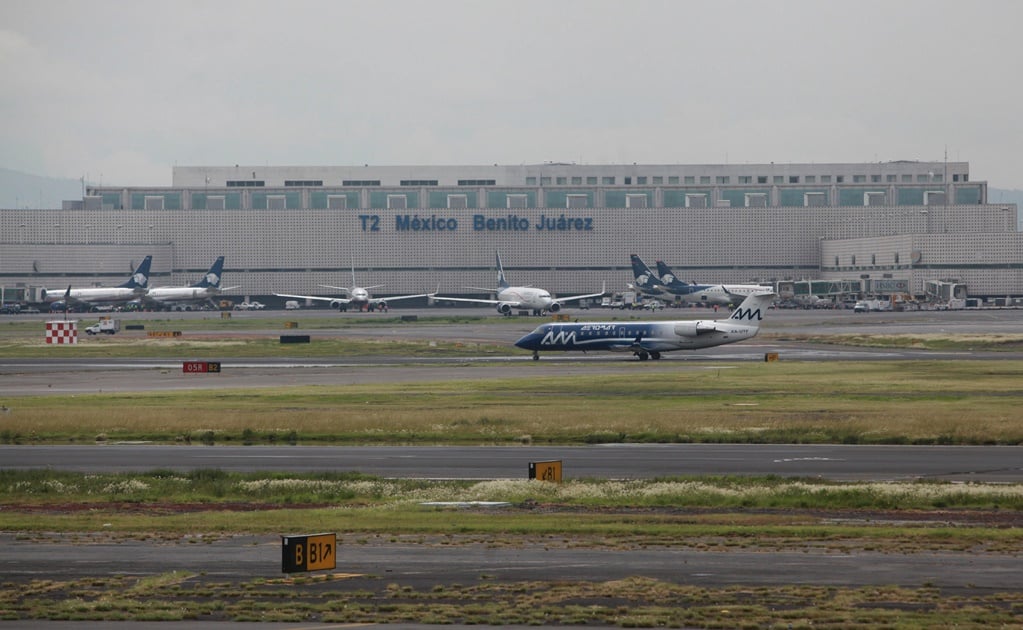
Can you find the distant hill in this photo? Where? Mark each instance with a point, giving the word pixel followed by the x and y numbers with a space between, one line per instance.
pixel 21 190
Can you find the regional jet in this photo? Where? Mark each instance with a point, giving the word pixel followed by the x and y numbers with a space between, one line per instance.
pixel 722 294
pixel 191 296
pixel 510 297
pixel 133 289
pixel 649 339
pixel 357 297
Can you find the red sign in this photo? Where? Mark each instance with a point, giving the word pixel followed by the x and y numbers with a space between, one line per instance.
pixel 200 367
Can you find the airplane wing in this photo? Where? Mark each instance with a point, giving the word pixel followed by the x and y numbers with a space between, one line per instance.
pixel 603 290
pixel 403 297
pixel 314 297
pixel 475 301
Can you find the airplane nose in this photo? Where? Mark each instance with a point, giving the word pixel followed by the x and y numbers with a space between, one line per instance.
pixel 529 342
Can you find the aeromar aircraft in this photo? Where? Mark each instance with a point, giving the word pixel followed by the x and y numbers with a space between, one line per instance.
pixel 649 339
pixel 511 298
pixel 722 294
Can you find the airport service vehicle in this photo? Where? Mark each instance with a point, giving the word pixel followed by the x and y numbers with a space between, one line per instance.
pixel 105 326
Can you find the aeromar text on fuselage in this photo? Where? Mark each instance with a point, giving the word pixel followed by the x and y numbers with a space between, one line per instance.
pixel 480 223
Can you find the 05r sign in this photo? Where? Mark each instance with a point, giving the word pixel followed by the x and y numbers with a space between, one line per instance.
pixel 314 552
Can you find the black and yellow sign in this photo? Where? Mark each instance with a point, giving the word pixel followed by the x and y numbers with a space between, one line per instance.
pixel 315 552
pixel 163 333
pixel 545 471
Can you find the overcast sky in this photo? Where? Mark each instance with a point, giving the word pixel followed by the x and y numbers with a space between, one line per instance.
pixel 121 91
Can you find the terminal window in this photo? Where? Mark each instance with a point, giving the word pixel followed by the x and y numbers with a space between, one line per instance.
pixel 516 201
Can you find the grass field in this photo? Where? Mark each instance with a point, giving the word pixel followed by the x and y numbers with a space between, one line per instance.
pixel 889 402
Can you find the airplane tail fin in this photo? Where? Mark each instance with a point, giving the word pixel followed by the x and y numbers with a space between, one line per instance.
pixel 750 312
pixel 212 277
pixel 645 278
pixel 667 276
pixel 140 278
pixel 502 282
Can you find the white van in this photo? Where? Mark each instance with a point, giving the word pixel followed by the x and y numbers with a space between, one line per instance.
pixel 292 305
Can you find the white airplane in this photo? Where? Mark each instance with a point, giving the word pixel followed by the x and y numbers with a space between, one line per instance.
pixel 203 291
pixel 358 297
pixel 133 289
pixel 721 294
pixel 650 339
pixel 510 298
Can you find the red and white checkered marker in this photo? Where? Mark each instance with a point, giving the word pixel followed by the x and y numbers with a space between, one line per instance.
pixel 62 332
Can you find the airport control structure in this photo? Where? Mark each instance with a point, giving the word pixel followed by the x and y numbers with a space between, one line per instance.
pixel 825 229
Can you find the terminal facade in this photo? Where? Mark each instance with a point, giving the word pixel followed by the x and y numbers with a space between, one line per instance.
pixel 566 227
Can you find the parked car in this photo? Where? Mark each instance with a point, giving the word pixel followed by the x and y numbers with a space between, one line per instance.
pixel 249 306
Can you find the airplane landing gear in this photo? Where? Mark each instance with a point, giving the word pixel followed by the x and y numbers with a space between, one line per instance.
pixel 536 356
pixel 655 355
pixel 642 354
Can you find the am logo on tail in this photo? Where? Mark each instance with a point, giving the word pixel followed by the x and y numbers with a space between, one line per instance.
pixel 645 280
pixel 511 297
pixel 710 294
pixel 650 339
pixel 191 296
pixel 135 287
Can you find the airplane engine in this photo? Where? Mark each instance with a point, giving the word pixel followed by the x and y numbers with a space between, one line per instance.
pixel 554 307
pixel 693 328
pixel 504 308
pixel 337 304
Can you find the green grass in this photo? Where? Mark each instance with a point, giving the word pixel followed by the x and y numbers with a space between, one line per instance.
pixel 888 402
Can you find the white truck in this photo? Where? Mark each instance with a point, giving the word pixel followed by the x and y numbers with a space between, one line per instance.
pixel 107 326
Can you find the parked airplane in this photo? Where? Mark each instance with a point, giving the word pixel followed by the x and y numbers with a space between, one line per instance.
pixel 187 297
pixel 646 281
pixel 722 294
pixel 510 297
pixel 650 339
pixel 133 289
pixel 358 297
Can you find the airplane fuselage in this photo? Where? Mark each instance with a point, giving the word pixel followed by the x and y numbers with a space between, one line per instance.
pixel 651 337
pixel 526 298
pixel 176 295
pixel 714 294
pixel 94 295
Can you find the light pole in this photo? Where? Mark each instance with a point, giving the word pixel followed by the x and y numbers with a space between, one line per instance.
pixel 119 234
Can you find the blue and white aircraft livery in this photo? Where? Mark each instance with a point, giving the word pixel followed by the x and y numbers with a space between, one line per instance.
pixel 722 294
pixel 133 289
pixel 649 339
pixel 511 298
pixel 203 291
pixel 646 281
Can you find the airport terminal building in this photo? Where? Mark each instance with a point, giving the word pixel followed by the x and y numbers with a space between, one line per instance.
pixel 565 227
